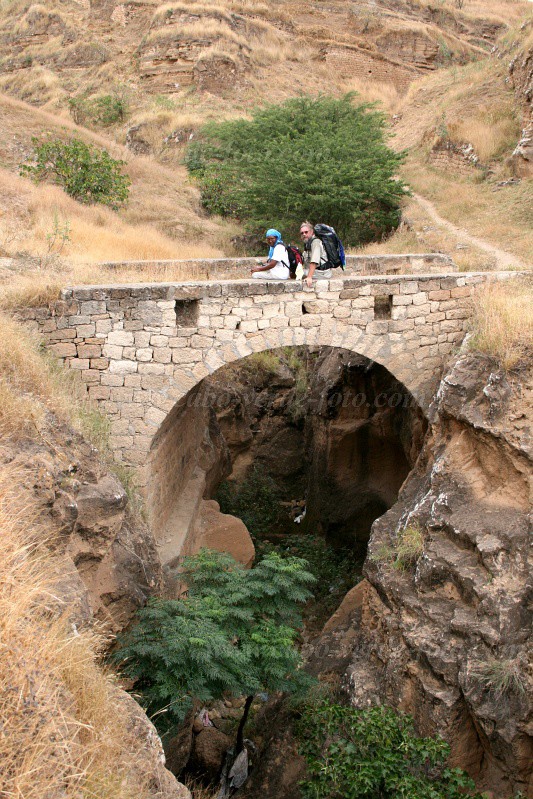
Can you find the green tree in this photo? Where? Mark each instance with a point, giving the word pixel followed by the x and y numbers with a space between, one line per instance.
pixel 374 754
pixel 234 633
pixel 324 159
pixel 86 173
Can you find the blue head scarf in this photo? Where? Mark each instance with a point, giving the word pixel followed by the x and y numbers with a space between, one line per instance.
pixel 272 232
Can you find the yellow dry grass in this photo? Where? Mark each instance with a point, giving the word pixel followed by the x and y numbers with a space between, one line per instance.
pixel 499 11
pixel 502 321
pixel 62 730
pixel 33 384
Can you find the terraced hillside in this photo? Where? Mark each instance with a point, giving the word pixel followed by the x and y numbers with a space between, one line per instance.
pixel 146 75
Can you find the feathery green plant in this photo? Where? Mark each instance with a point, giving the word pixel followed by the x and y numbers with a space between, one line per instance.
pixel 234 633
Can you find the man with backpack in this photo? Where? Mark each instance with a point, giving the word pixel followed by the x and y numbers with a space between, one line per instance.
pixel 323 251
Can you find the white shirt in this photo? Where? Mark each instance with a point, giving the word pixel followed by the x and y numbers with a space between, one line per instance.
pixel 280 255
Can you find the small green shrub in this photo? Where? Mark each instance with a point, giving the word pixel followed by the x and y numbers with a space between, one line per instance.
pixel 409 546
pixel 105 110
pixel 406 550
pixel 374 754
pixel 84 172
pixel 256 501
pixel 58 236
pixel 501 677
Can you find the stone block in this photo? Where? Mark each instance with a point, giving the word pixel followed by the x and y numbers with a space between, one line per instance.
pixel 249 326
pixel 90 377
pixel 112 351
pixel 441 294
pixel 409 287
pixel 186 355
pixel 461 291
pixel 278 322
pixel 341 313
pixel 315 306
pixel 99 364
pixel 420 298
pixel 162 355
pixel 132 381
pixel 156 340
pixel 144 354
pixel 79 363
pixel 293 309
pixel 89 351
pixel 458 313
pixel 121 338
pixel 122 367
pixel 108 379
pixel 91 307
pixel 85 331
pixel 418 310
pixel 99 392
pixel 64 350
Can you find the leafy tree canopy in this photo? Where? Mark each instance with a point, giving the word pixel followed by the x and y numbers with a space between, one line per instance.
pixel 374 754
pixel 321 159
pixel 233 633
pixel 86 173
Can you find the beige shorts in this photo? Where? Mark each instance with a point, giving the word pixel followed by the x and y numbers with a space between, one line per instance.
pixel 319 274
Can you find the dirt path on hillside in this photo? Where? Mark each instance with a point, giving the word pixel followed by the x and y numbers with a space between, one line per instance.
pixel 504 260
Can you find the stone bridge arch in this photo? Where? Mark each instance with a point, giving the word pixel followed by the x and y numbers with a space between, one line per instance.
pixel 141 348
pixel 179 469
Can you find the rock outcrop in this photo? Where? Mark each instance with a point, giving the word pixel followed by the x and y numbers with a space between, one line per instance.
pixel 521 76
pixel 443 632
pixel 109 559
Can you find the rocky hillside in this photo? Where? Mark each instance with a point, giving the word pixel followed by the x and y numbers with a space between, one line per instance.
pixel 143 77
pixel 441 626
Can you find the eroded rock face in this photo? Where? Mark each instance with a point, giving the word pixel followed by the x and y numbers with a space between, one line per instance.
pixel 364 433
pixel 110 563
pixel 339 430
pixel 446 635
pixel 521 77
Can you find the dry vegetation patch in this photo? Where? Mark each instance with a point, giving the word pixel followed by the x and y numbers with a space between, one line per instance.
pixel 63 731
pixel 502 321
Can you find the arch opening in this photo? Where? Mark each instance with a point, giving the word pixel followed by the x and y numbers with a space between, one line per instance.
pixel 332 431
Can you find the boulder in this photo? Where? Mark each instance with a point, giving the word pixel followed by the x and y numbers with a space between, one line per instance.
pixel 209 749
pixel 223 532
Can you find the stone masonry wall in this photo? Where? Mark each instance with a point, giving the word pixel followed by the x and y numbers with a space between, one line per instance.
pixel 141 348
pixel 368 66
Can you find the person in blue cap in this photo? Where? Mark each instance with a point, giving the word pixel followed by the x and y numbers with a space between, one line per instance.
pixel 276 267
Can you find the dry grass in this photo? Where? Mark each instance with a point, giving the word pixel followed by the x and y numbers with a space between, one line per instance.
pixel 62 730
pixel 33 384
pixel 500 216
pixel 386 94
pixel 490 133
pixel 502 322
pixel 499 11
pixel 31 216
pixel 205 29
pixel 37 84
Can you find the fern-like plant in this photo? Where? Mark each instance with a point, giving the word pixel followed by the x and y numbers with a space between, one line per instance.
pixel 234 633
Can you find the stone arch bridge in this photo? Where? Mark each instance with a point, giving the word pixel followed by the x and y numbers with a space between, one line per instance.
pixel 141 348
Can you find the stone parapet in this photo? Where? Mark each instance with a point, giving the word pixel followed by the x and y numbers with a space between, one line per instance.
pixel 228 268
